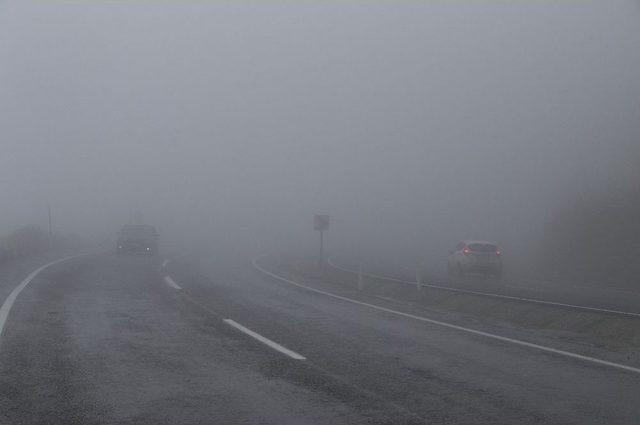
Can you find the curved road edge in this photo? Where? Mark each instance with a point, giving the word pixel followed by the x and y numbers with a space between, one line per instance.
pixel 521 343
pixel 11 298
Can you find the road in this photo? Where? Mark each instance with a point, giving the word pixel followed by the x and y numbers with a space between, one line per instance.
pixel 108 339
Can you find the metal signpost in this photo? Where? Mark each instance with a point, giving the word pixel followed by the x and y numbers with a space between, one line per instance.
pixel 321 223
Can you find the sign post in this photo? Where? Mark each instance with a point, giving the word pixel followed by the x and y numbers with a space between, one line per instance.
pixel 50 227
pixel 321 223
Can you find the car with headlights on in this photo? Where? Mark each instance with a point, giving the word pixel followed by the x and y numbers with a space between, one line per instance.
pixel 137 239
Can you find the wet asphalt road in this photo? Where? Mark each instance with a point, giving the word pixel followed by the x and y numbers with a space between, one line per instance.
pixel 104 339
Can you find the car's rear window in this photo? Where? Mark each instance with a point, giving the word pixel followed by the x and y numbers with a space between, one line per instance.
pixel 483 247
pixel 139 231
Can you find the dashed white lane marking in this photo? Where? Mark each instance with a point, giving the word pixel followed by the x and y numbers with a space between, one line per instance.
pixel 490 294
pixel 264 340
pixel 452 326
pixel 164 263
pixel 172 283
pixel 8 303
pixel 238 326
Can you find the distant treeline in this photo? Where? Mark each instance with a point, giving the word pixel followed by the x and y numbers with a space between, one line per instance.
pixel 595 239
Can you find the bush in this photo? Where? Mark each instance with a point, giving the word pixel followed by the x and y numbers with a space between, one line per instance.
pixel 25 241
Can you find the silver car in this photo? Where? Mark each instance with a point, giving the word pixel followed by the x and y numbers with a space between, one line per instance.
pixel 475 257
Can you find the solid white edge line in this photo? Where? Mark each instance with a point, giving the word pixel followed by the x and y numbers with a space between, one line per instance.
pixel 264 340
pixel 452 326
pixel 8 302
pixel 172 283
pixel 489 294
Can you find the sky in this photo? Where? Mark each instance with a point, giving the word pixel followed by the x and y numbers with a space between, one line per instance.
pixel 413 123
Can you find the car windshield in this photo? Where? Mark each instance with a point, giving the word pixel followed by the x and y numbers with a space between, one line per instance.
pixel 483 247
pixel 141 231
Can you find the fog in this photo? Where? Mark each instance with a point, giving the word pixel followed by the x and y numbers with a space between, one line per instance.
pixel 229 124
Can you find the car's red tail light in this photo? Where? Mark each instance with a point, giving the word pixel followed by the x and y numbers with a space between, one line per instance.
pixel 466 251
pixel 498 252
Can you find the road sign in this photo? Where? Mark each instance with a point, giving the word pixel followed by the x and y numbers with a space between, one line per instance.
pixel 321 222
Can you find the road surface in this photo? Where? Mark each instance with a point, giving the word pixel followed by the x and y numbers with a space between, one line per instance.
pixel 124 340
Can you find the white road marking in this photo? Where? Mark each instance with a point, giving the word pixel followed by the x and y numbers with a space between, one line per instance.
pixel 172 283
pixel 8 303
pixel 264 340
pixel 490 294
pixel 164 263
pixel 452 326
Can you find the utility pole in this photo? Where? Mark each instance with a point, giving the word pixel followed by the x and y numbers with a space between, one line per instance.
pixel 50 226
pixel 321 253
